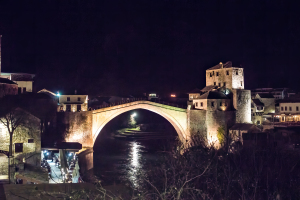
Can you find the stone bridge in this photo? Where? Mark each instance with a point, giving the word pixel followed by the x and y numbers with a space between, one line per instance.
pixel 84 127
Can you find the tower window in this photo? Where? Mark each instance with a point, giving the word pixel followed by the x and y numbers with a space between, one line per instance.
pixel 210 74
pixel 237 72
pixel 241 83
pixel 224 84
pixel 285 108
pixel 217 73
pixel 212 104
pixel 215 83
pixel 219 84
pixel 227 72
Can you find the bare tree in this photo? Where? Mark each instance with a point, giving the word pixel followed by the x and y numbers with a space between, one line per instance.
pixel 11 118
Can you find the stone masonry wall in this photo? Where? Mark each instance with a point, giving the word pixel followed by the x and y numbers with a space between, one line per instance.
pixel 221 78
pixel 242 103
pixel 29 130
pixel 78 127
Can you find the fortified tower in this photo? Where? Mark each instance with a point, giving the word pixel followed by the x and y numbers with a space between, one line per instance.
pixel 232 78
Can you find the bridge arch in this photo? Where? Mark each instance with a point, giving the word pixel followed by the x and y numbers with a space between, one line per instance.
pixel 176 116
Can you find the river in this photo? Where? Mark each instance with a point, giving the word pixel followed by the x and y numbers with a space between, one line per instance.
pixel 126 161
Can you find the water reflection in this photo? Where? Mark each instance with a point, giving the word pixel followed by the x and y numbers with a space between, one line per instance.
pixel 118 162
pixel 135 162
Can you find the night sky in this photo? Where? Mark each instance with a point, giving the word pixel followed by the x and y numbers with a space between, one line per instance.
pixel 130 47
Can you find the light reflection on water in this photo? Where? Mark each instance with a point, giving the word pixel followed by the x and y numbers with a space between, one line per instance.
pixel 135 162
pixel 119 161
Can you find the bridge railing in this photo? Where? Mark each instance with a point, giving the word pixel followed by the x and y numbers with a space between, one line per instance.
pixel 140 99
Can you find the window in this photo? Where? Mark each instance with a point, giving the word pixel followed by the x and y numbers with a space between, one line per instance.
pixel 78 99
pixel 219 84
pixel 78 107
pixel 215 83
pixel 68 98
pixel 30 140
pixel 217 73
pixel 290 109
pixel 224 84
pixel 18 147
pixel 212 104
pixel 201 104
pixel 257 108
pixel 237 72
pixel 213 73
pixel 68 108
pixel 297 108
pixel 227 72
pixel 19 90
pixel 281 108
pixel 285 108
pixel 24 89
pixel 210 74
pixel 241 83
pixel 196 104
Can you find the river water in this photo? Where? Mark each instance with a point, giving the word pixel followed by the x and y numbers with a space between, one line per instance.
pixel 127 161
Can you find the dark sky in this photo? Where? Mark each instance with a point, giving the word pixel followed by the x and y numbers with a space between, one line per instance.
pixel 135 46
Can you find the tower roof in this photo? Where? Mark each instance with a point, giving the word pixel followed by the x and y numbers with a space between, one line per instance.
pixel 221 65
pixel 213 95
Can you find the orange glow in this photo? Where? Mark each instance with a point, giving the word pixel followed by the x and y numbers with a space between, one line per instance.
pixel 173 95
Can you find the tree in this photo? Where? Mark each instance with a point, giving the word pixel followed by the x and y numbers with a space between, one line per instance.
pixel 11 119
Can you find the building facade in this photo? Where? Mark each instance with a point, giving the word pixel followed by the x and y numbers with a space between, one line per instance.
pixel 23 80
pixel 72 103
pixel 26 142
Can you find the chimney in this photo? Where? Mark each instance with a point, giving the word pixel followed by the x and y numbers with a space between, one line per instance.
pixel 75 92
pixel 221 64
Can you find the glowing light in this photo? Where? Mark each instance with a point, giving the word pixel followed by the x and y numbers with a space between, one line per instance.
pixel 133 115
pixel 47 153
pixel 58 94
pixel 70 154
pixel 173 95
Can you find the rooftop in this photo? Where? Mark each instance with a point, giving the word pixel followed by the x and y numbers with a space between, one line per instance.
pixel 7 81
pixel 213 95
pixel 265 95
pixel 221 65
pixel 209 88
pixel 258 102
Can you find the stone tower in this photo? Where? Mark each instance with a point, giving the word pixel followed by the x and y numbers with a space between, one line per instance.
pixel 225 75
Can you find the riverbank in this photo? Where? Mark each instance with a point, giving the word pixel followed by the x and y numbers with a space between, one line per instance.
pixel 137 134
